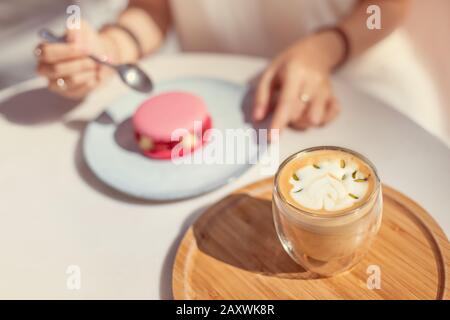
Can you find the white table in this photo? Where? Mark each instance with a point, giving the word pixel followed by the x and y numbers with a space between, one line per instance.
pixel 55 213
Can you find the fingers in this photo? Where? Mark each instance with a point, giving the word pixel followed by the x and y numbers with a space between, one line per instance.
pixel 66 65
pixel 57 52
pixel 317 107
pixel 322 108
pixel 70 90
pixel 75 86
pixel 67 68
pixel 307 92
pixel 332 110
pixel 72 47
pixel 302 90
pixel 288 99
pixel 262 95
pixel 301 123
pixel 78 79
pixel 73 79
pixel 74 35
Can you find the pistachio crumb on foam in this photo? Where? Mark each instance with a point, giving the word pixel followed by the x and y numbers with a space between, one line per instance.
pixel 329 184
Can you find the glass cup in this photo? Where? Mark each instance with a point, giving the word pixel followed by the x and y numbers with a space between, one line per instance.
pixel 332 243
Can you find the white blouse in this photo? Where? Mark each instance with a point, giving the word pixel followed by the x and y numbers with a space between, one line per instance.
pixel 390 70
pixel 253 27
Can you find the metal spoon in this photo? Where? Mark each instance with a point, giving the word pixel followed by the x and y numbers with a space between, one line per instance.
pixel 131 74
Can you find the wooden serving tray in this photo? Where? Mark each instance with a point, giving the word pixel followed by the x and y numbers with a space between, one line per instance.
pixel 232 252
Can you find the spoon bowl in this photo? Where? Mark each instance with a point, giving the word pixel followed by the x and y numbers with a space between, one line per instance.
pixel 134 77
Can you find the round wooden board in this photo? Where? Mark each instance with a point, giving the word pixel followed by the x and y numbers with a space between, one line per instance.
pixel 232 252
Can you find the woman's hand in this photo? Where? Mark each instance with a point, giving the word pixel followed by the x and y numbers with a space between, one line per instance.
pixel 66 65
pixel 296 85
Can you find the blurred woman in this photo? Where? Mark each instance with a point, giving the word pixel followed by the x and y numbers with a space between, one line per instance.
pixel 306 41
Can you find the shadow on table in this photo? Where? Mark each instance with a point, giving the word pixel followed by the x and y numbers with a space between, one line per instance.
pixel 232 233
pixel 36 106
pixel 248 103
pixel 124 136
pixel 90 178
pixel 247 109
pixel 239 231
pixel 165 287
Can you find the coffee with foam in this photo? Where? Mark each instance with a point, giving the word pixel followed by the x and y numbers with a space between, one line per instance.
pixel 326 181
pixel 327 206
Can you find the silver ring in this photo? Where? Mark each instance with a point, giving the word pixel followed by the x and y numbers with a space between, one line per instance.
pixel 37 52
pixel 61 84
pixel 305 98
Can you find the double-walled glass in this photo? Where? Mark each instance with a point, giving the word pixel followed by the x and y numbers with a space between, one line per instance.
pixel 332 243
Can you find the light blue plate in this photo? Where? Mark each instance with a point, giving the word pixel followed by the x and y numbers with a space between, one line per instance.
pixel 111 152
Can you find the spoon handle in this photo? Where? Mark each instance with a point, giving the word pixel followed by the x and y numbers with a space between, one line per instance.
pixel 49 36
pixel 100 61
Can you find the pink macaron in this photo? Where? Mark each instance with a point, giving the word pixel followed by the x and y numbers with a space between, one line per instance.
pixel 171 123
